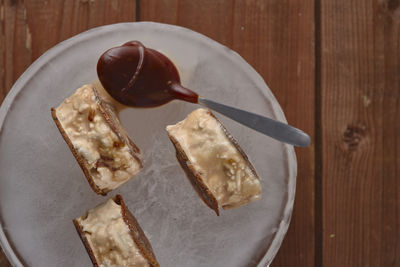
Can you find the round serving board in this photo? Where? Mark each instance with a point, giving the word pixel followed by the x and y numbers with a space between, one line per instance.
pixel 42 187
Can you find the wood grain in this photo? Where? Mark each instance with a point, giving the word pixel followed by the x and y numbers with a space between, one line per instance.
pixel 3 260
pixel 360 67
pixel 277 39
pixel 29 28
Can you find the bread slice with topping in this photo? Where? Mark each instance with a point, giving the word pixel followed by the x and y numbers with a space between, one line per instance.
pixel 213 161
pixel 113 237
pixel 89 124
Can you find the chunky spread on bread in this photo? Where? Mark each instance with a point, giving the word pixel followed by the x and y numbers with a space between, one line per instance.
pixel 217 160
pixel 109 238
pixel 109 160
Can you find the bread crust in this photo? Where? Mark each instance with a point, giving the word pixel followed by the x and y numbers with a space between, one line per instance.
pixel 109 114
pixel 135 231
pixel 81 161
pixel 237 146
pixel 195 177
pixel 85 242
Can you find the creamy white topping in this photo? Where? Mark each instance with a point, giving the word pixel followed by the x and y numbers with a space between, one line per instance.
pixel 110 161
pixel 109 238
pixel 220 164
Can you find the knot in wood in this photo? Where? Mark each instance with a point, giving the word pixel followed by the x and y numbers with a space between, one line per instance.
pixel 353 135
pixel 392 8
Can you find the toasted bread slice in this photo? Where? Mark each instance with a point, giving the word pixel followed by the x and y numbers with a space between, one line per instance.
pixel 90 126
pixel 213 161
pixel 113 237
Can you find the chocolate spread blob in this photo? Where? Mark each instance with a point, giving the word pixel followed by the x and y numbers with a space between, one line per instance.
pixel 137 76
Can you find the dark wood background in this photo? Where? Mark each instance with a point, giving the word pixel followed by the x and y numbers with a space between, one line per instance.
pixel 334 66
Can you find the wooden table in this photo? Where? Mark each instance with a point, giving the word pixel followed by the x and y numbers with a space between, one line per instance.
pixel 334 66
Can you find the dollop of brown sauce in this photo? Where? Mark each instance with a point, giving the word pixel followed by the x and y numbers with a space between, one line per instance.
pixel 137 76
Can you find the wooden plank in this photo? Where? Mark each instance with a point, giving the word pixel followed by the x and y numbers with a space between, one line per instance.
pixel 29 28
pixel 277 38
pixel 360 71
pixel 3 260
